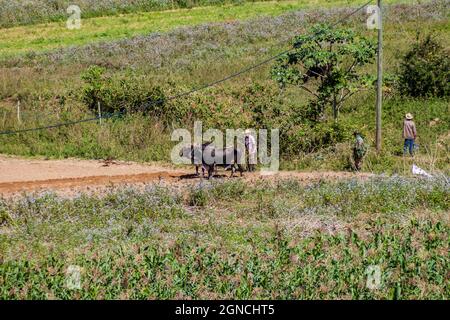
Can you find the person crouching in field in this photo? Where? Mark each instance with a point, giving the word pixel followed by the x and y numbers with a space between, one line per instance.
pixel 409 134
pixel 250 150
pixel 359 150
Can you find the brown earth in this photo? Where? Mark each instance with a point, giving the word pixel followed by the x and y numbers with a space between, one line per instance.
pixel 19 175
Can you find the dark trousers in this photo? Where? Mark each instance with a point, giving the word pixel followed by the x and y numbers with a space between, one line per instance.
pixel 409 145
pixel 250 167
pixel 358 163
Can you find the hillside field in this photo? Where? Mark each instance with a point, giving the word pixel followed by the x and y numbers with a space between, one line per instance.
pixel 49 87
pixel 149 229
pixel 44 37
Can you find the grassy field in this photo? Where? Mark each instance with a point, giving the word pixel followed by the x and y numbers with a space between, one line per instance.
pixel 49 88
pixel 19 12
pixel 48 36
pixel 269 240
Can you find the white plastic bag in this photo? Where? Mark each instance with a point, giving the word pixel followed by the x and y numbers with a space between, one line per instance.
pixel 419 171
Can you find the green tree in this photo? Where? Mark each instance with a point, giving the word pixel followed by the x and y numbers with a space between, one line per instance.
pixel 425 70
pixel 326 64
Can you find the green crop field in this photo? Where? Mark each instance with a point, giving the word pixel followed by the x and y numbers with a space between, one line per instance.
pixel 225 238
pixel 279 240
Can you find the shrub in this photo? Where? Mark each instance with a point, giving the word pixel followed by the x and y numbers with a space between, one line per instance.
pixel 307 138
pixel 198 197
pixel 120 94
pixel 229 190
pixel 425 70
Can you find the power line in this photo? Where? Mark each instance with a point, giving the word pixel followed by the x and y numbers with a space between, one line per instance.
pixel 262 62
pixel 186 93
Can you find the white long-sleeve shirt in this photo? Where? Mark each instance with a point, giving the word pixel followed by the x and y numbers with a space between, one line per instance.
pixel 251 144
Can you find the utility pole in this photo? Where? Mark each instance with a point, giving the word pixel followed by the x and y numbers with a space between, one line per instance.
pixel 380 78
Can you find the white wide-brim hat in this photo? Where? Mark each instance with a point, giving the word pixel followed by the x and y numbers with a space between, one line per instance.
pixel 408 116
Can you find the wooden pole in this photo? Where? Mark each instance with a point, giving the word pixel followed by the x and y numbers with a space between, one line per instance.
pixel 18 111
pixel 99 112
pixel 379 79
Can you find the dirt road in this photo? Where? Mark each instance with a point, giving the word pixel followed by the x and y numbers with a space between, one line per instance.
pixel 24 175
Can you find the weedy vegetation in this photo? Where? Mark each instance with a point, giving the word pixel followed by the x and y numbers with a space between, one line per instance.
pixel 270 240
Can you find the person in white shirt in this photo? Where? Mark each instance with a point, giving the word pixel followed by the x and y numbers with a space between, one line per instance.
pixel 250 149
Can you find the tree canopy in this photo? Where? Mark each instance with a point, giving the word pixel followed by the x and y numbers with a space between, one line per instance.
pixel 326 64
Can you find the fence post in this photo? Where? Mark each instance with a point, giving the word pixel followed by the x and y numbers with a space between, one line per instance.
pixel 18 112
pixel 99 112
pixel 4 119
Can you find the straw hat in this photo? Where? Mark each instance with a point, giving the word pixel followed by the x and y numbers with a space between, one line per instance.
pixel 247 132
pixel 409 116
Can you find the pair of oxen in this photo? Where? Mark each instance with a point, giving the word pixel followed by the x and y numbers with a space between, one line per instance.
pixel 208 157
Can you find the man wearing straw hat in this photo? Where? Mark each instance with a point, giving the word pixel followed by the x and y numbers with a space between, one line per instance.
pixel 409 134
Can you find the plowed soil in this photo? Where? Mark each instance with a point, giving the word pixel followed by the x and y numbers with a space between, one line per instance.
pixel 19 175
